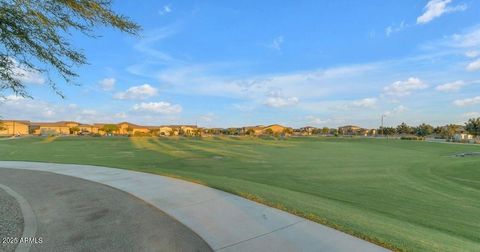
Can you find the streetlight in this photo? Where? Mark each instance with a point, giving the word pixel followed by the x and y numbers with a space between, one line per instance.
pixel 383 132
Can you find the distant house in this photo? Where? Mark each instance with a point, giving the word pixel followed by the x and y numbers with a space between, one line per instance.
pixel 349 130
pixel 165 131
pixel 52 128
pixel 462 135
pixel 252 130
pixel 87 128
pixel 14 127
pixel 307 130
pixel 126 128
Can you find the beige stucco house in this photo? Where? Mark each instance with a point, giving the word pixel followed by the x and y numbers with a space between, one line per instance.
pixel 14 127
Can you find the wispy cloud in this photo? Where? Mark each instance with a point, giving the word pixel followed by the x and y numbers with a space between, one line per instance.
pixel 451 86
pixel 395 111
pixel 107 84
pixel 158 107
pixel 26 75
pixel 277 43
pixel 437 8
pixel 404 88
pixel 473 66
pixel 277 101
pixel 137 93
pixel 472 54
pixel 165 10
pixel 395 28
pixel 467 102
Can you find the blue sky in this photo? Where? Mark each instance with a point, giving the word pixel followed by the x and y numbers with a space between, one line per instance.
pixel 319 63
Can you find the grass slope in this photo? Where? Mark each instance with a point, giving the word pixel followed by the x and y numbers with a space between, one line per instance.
pixel 405 195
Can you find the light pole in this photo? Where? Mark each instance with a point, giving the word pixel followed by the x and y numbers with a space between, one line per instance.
pixel 383 132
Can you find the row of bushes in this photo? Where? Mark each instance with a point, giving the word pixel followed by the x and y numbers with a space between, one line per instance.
pixel 415 138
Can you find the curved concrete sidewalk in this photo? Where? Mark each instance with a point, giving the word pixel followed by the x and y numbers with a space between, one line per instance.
pixel 225 221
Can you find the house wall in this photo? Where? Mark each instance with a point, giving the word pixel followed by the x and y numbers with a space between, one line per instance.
pixel 275 128
pixel 165 131
pixel 72 124
pixel 14 128
pixel 63 130
pixel 140 130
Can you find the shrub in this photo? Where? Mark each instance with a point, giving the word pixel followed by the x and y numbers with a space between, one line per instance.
pixel 96 135
pixel 412 138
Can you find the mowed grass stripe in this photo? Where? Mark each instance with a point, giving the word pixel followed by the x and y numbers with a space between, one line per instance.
pixel 406 195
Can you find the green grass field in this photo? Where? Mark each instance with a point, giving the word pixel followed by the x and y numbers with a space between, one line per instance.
pixel 405 195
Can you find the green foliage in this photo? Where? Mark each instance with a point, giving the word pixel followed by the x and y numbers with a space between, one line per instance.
pixel 473 126
pixel 404 129
pixel 287 131
pixel 449 131
pixel 387 131
pixel 154 132
pixel 250 132
pixel 416 138
pixel 268 131
pixel 109 128
pixel 34 36
pixel 424 130
pixel 325 130
pixel 74 130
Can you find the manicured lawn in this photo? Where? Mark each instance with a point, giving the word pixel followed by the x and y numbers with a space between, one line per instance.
pixel 406 195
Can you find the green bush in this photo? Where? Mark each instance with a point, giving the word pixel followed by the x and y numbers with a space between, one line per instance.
pixel 412 138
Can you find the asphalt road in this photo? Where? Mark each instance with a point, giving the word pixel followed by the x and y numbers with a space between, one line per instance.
pixel 11 220
pixel 77 215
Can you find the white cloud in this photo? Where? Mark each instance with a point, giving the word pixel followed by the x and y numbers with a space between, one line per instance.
pixel 472 54
pixel 394 29
pixel 471 114
pixel 436 8
pixel 313 120
pixel 451 86
pixel 467 102
pixel 137 93
pixel 15 107
pixel 107 84
pixel 158 107
pixel 365 103
pixel 474 66
pixel 11 98
pixel 165 10
pixel 276 100
pixel 120 115
pixel 277 43
pixel 208 117
pixel 468 39
pixel 404 88
pixel 395 111
pixel 26 75
pixel 355 104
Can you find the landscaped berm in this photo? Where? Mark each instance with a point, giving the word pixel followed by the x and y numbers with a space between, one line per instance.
pixel 404 195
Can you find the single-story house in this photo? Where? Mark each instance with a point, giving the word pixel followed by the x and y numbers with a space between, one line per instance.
pixel 349 130
pixel 14 127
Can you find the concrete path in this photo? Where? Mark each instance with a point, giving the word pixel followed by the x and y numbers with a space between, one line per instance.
pixel 65 213
pixel 225 221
